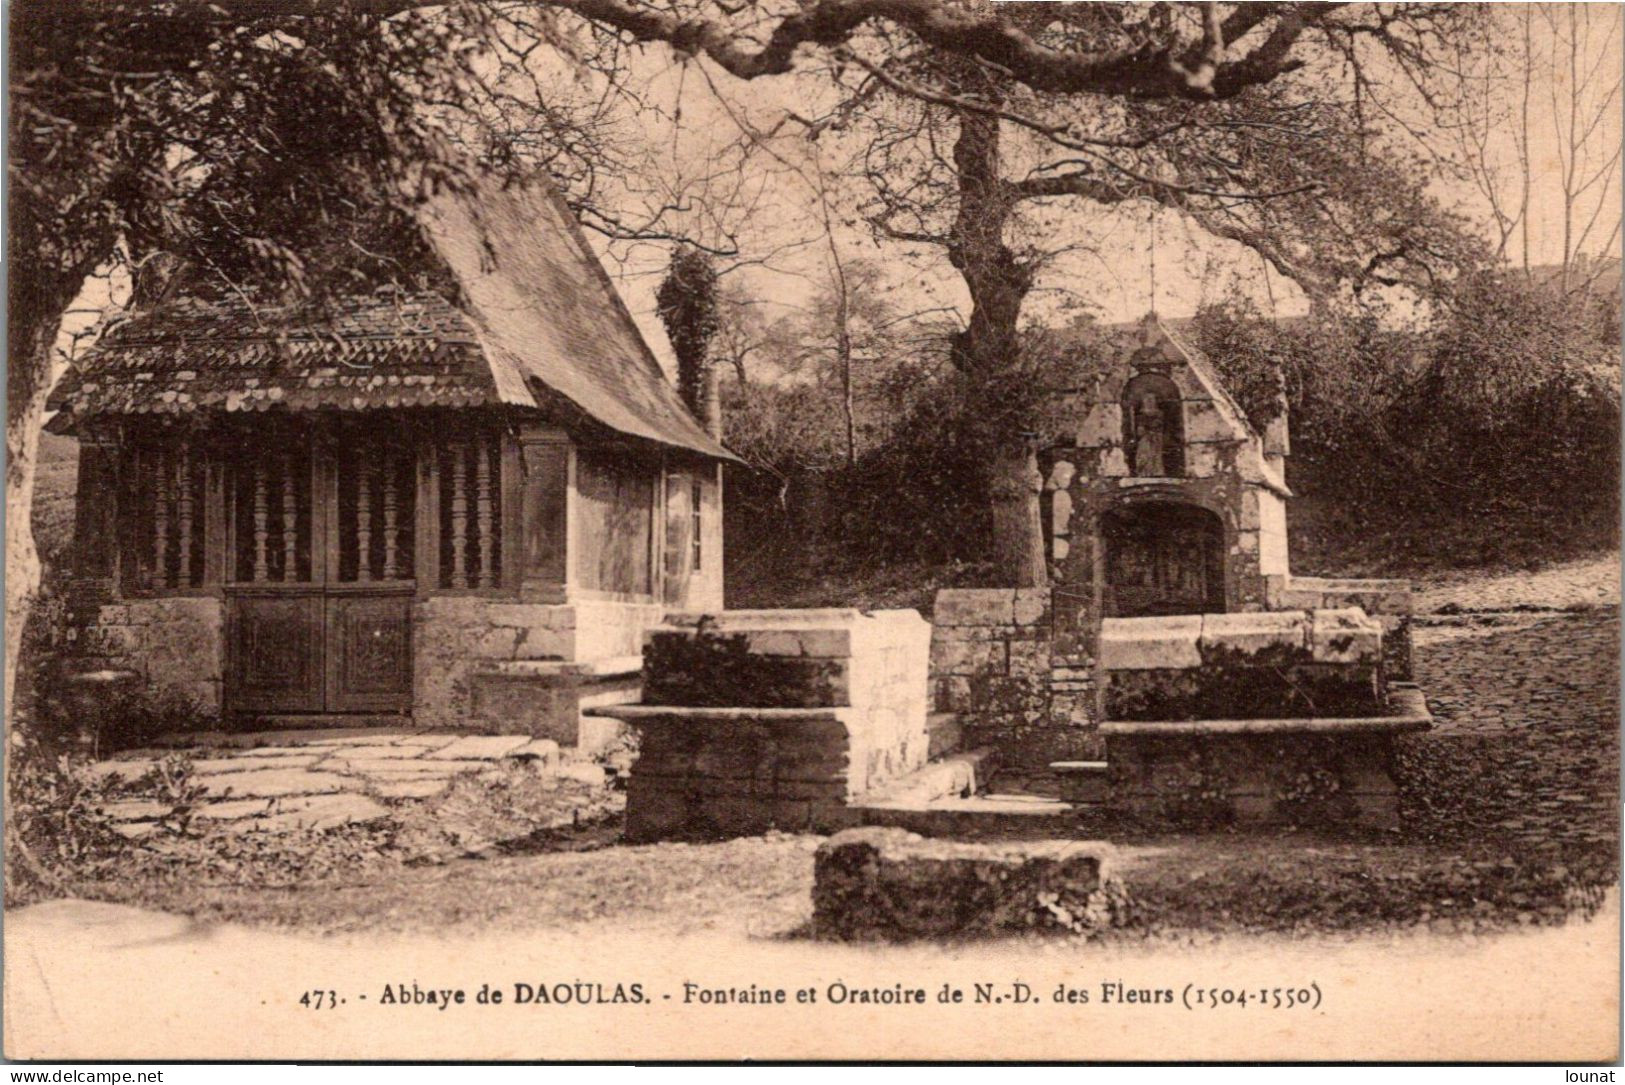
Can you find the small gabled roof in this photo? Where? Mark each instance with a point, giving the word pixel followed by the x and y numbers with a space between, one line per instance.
pixel 1155 331
pixel 536 318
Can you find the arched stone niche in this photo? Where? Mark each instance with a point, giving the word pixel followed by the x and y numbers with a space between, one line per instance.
pixel 1153 426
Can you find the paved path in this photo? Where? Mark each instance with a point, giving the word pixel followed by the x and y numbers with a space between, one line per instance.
pixel 1487 674
pixel 1514 651
pixel 1589 583
pixel 317 779
pixel 1522 675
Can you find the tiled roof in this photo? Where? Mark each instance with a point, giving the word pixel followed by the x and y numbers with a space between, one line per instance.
pixel 365 352
pixel 542 319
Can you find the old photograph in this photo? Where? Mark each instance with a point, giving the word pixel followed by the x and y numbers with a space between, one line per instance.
pixel 869 530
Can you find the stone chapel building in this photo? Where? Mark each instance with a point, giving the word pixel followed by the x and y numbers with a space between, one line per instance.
pixel 456 509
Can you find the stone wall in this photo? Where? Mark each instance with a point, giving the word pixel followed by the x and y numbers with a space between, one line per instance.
pixel 1389 601
pixel 712 773
pixel 1290 778
pixel 176 644
pixel 610 630
pixel 762 719
pixel 456 637
pixel 995 663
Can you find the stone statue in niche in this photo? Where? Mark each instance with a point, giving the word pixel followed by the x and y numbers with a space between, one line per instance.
pixel 1148 427
pixel 1153 427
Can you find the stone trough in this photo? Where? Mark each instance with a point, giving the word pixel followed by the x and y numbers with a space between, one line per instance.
pixel 757 720
pixel 1274 717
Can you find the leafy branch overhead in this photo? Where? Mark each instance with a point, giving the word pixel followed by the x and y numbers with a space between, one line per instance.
pixel 1157 51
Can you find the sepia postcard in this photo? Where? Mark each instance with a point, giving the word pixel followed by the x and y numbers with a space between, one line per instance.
pixel 821 530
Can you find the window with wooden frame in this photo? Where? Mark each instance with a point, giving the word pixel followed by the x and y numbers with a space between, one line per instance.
pixel 696 503
pixel 677 554
pixel 162 503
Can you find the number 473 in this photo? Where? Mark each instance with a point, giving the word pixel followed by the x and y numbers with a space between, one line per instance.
pixel 317 1000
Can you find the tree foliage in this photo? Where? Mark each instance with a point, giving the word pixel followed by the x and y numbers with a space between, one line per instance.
pixel 687 303
pixel 1487 432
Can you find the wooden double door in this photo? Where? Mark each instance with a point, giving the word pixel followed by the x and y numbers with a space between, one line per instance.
pixel 322 530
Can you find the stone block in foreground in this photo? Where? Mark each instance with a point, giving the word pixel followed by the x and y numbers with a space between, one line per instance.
pixel 894 885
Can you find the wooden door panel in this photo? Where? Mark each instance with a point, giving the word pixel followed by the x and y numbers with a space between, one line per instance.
pixel 369 653
pixel 274 653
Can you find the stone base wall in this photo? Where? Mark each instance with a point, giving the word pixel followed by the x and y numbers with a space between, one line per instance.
pixel 711 775
pixel 994 663
pixel 545 700
pixel 611 630
pixel 1219 779
pixel 774 719
pixel 456 636
pixel 176 644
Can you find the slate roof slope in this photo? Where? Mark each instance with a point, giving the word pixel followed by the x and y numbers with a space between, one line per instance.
pixel 510 245
pixel 541 317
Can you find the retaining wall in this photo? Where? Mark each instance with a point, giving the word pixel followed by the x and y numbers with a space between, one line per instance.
pixel 995 663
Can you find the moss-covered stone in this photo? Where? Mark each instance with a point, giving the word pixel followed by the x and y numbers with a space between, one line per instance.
pixel 1276 681
pixel 709 669
pixel 893 885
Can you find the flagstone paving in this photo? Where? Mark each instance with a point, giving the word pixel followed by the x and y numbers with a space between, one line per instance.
pixel 277 780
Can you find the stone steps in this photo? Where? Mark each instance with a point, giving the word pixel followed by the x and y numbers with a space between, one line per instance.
pixel 1081 781
pixel 955 776
pixel 978 817
pixel 948 798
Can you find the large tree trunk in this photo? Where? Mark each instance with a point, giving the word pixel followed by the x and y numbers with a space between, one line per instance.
pixel 23 418
pixel 35 305
pixel 990 346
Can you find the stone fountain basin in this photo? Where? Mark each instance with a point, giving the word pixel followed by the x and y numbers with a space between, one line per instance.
pixel 1272 665
pixel 1306 770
